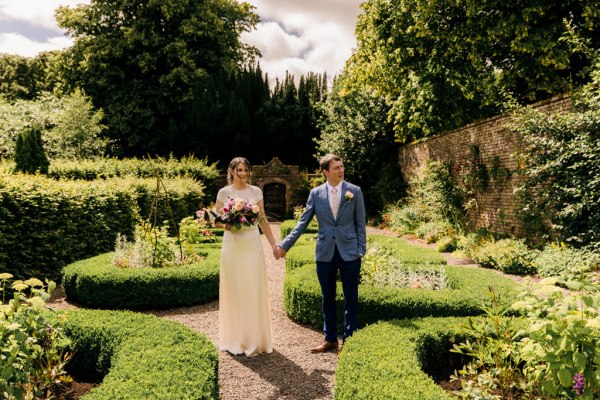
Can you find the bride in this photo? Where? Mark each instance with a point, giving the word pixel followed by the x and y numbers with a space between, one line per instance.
pixel 244 312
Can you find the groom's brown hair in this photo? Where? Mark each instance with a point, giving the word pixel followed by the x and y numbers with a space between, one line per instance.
pixel 326 159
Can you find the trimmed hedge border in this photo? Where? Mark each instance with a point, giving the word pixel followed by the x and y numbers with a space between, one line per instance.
pixel 468 290
pixel 142 357
pixel 96 283
pixel 394 360
pixel 46 224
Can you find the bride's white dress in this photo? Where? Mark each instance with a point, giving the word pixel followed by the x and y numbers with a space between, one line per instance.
pixel 244 312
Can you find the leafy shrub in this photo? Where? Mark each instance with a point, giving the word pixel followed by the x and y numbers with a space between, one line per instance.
pixel 467 245
pixel 152 248
pixel 435 199
pixel 564 262
pixel 507 255
pixel 70 126
pixel 549 351
pixel 30 156
pixel 434 230
pixel 561 189
pixel 195 230
pixel 561 345
pixel 446 244
pixel 493 370
pixel 33 351
pixel 404 219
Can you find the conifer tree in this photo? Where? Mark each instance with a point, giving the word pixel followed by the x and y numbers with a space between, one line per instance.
pixel 30 156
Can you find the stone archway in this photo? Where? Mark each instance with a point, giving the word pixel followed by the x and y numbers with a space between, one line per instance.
pixel 283 187
pixel 274 196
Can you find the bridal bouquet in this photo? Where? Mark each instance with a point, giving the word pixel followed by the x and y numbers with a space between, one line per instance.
pixel 237 212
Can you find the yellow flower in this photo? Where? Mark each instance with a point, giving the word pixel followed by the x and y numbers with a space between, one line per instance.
pixel 19 286
pixel 5 276
pixel 34 282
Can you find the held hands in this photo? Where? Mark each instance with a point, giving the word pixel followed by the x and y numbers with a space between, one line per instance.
pixel 278 252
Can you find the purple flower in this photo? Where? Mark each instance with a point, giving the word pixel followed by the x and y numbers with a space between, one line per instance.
pixel 579 383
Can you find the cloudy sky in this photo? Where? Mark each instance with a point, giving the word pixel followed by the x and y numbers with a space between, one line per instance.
pixel 295 36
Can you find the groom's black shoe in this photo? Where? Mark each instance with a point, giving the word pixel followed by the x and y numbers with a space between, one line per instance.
pixel 325 346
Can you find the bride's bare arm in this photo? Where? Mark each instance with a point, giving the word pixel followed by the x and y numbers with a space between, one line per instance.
pixel 264 225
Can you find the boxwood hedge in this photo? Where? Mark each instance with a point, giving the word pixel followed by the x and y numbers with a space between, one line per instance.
pixel 96 283
pixel 142 357
pixel 46 224
pixel 467 290
pixel 397 359
pixel 169 168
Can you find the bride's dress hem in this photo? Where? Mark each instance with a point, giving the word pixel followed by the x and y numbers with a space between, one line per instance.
pixel 239 352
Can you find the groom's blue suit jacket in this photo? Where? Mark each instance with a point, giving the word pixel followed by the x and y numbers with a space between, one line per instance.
pixel 347 231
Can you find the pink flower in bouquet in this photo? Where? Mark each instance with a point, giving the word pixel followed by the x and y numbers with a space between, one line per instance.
pixel 238 212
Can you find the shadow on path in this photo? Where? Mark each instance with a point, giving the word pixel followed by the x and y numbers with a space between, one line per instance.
pixel 314 385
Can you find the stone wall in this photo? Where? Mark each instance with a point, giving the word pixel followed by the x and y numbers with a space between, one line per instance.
pixel 497 206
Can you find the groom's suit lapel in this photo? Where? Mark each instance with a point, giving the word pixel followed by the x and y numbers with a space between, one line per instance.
pixel 342 200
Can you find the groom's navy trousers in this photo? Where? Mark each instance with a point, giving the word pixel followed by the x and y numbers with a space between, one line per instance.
pixel 350 275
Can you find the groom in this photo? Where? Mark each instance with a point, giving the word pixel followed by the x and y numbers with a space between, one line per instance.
pixel 341 243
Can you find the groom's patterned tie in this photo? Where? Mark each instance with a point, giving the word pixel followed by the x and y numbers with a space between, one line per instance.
pixel 335 202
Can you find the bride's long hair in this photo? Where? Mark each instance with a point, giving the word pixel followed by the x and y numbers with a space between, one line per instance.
pixel 233 166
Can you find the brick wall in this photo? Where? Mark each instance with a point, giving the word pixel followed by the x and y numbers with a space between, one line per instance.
pixel 497 206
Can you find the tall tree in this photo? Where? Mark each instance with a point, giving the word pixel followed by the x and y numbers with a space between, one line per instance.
pixel 444 63
pixel 140 60
pixel 354 126
pixel 17 80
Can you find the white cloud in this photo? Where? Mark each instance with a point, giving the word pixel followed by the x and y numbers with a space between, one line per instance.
pixel 34 12
pixel 14 43
pixel 297 36
pixel 301 37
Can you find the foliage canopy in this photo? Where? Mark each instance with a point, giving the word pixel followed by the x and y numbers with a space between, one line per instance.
pixel 442 64
pixel 140 61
